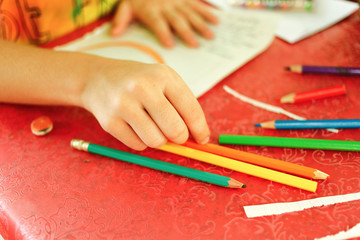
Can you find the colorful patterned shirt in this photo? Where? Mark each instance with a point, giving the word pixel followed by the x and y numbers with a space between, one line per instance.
pixel 39 21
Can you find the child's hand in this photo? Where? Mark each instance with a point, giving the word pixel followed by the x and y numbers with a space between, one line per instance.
pixel 144 104
pixel 185 17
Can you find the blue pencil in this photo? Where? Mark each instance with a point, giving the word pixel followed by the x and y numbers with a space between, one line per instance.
pixel 310 124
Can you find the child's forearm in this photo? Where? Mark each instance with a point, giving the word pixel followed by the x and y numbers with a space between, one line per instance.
pixel 139 104
pixel 30 75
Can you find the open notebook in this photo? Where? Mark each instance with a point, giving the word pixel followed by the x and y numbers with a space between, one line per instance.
pixel 240 37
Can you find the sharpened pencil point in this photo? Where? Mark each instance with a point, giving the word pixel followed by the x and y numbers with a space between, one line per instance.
pixel 287 68
pixel 320 175
pixel 257 125
pixel 235 184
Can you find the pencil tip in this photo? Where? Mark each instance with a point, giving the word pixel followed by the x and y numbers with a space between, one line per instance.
pixel 257 125
pixel 287 68
pixel 320 175
pixel 235 184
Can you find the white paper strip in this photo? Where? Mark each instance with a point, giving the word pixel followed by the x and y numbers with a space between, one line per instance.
pixel 267 106
pixel 351 233
pixel 279 208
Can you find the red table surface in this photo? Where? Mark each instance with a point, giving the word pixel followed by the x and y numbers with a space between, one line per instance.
pixel 51 191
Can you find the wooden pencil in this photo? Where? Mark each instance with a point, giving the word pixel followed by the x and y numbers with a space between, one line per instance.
pixel 259 160
pixel 347 71
pixel 156 164
pixel 290 142
pixel 313 94
pixel 243 167
pixel 310 124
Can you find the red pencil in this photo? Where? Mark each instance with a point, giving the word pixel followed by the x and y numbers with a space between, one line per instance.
pixel 313 94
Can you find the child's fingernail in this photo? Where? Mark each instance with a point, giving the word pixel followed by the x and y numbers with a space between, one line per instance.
pixel 169 42
pixel 204 141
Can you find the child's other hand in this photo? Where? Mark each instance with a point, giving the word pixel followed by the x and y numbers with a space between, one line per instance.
pixel 185 17
pixel 144 104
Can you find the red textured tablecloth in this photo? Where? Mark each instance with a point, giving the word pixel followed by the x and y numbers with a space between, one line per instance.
pixel 51 191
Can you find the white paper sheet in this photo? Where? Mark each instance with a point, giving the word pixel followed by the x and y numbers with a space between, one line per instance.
pixel 297 25
pixel 239 38
pixel 279 208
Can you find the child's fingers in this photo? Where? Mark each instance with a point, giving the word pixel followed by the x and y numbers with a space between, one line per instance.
pixel 189 109
pixel 159 25
pixel 132 112
pixel 119 129
pixel 204 10
pixel 122 18
pixel 181 25
pixel 165 116
pixel 196 21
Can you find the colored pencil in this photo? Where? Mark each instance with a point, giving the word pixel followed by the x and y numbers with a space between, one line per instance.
pixel 313 94
pixel 273 4
pixel 290 142
pixel 259 160
pixel 156 164
pixel 310 124
pixel 242 167
pixel 349 71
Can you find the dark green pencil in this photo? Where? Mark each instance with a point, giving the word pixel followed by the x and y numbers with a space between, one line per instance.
pixel 156 164
pixel 290 142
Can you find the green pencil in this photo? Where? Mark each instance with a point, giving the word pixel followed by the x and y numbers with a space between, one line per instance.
pixel 290 142
pixel 156 164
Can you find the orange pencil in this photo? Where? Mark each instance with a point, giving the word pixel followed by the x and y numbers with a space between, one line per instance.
pixel 259 160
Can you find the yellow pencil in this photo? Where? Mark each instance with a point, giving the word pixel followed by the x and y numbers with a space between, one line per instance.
pixel 246 168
